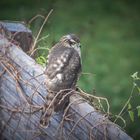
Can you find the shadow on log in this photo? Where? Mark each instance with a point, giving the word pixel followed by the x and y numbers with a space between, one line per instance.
pixel 22 94
pixel 18 33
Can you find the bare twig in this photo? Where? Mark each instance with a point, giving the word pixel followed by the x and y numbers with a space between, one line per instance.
pixel 65 112
pixel 40 30
pixel 80 119
pixel 32 19
pixel 89 97
pixel 18 109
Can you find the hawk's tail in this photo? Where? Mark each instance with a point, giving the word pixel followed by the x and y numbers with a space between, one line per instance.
pixel 55 102
pixel 48 110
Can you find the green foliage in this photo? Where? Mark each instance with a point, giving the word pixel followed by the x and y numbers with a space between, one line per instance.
pixel 135 85
pixel 110 37
pixel 138 109
pixel 41 60
pixel 131 113
pixel 130 108
pixel 135 76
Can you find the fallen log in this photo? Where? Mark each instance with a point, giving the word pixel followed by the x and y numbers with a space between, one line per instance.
pixel 17 33
pixel 22 94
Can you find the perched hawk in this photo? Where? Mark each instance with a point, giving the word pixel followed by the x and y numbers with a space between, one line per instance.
pixel 62 71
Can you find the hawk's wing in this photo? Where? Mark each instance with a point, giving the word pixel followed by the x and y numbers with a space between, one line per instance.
pixel 64 66
pixel 58 59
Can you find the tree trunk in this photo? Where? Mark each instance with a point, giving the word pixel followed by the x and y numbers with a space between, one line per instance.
pixel 22 94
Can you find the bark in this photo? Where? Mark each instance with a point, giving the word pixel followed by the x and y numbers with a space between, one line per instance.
pixel 23 92
pixel 17 33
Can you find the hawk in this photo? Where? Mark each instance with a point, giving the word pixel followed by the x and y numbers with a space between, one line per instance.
pixel 62 71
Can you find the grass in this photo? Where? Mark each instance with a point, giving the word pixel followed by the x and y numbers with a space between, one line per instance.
pixel 110 37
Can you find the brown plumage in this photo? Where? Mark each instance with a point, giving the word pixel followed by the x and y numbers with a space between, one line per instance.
pixel 62 71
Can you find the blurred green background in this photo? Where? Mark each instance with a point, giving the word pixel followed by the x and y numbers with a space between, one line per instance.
pixel 110 36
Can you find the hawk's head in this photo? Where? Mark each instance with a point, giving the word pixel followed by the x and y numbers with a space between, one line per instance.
pixel 71 40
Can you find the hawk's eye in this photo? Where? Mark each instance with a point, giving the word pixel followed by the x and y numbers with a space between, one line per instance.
pixel 72 42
